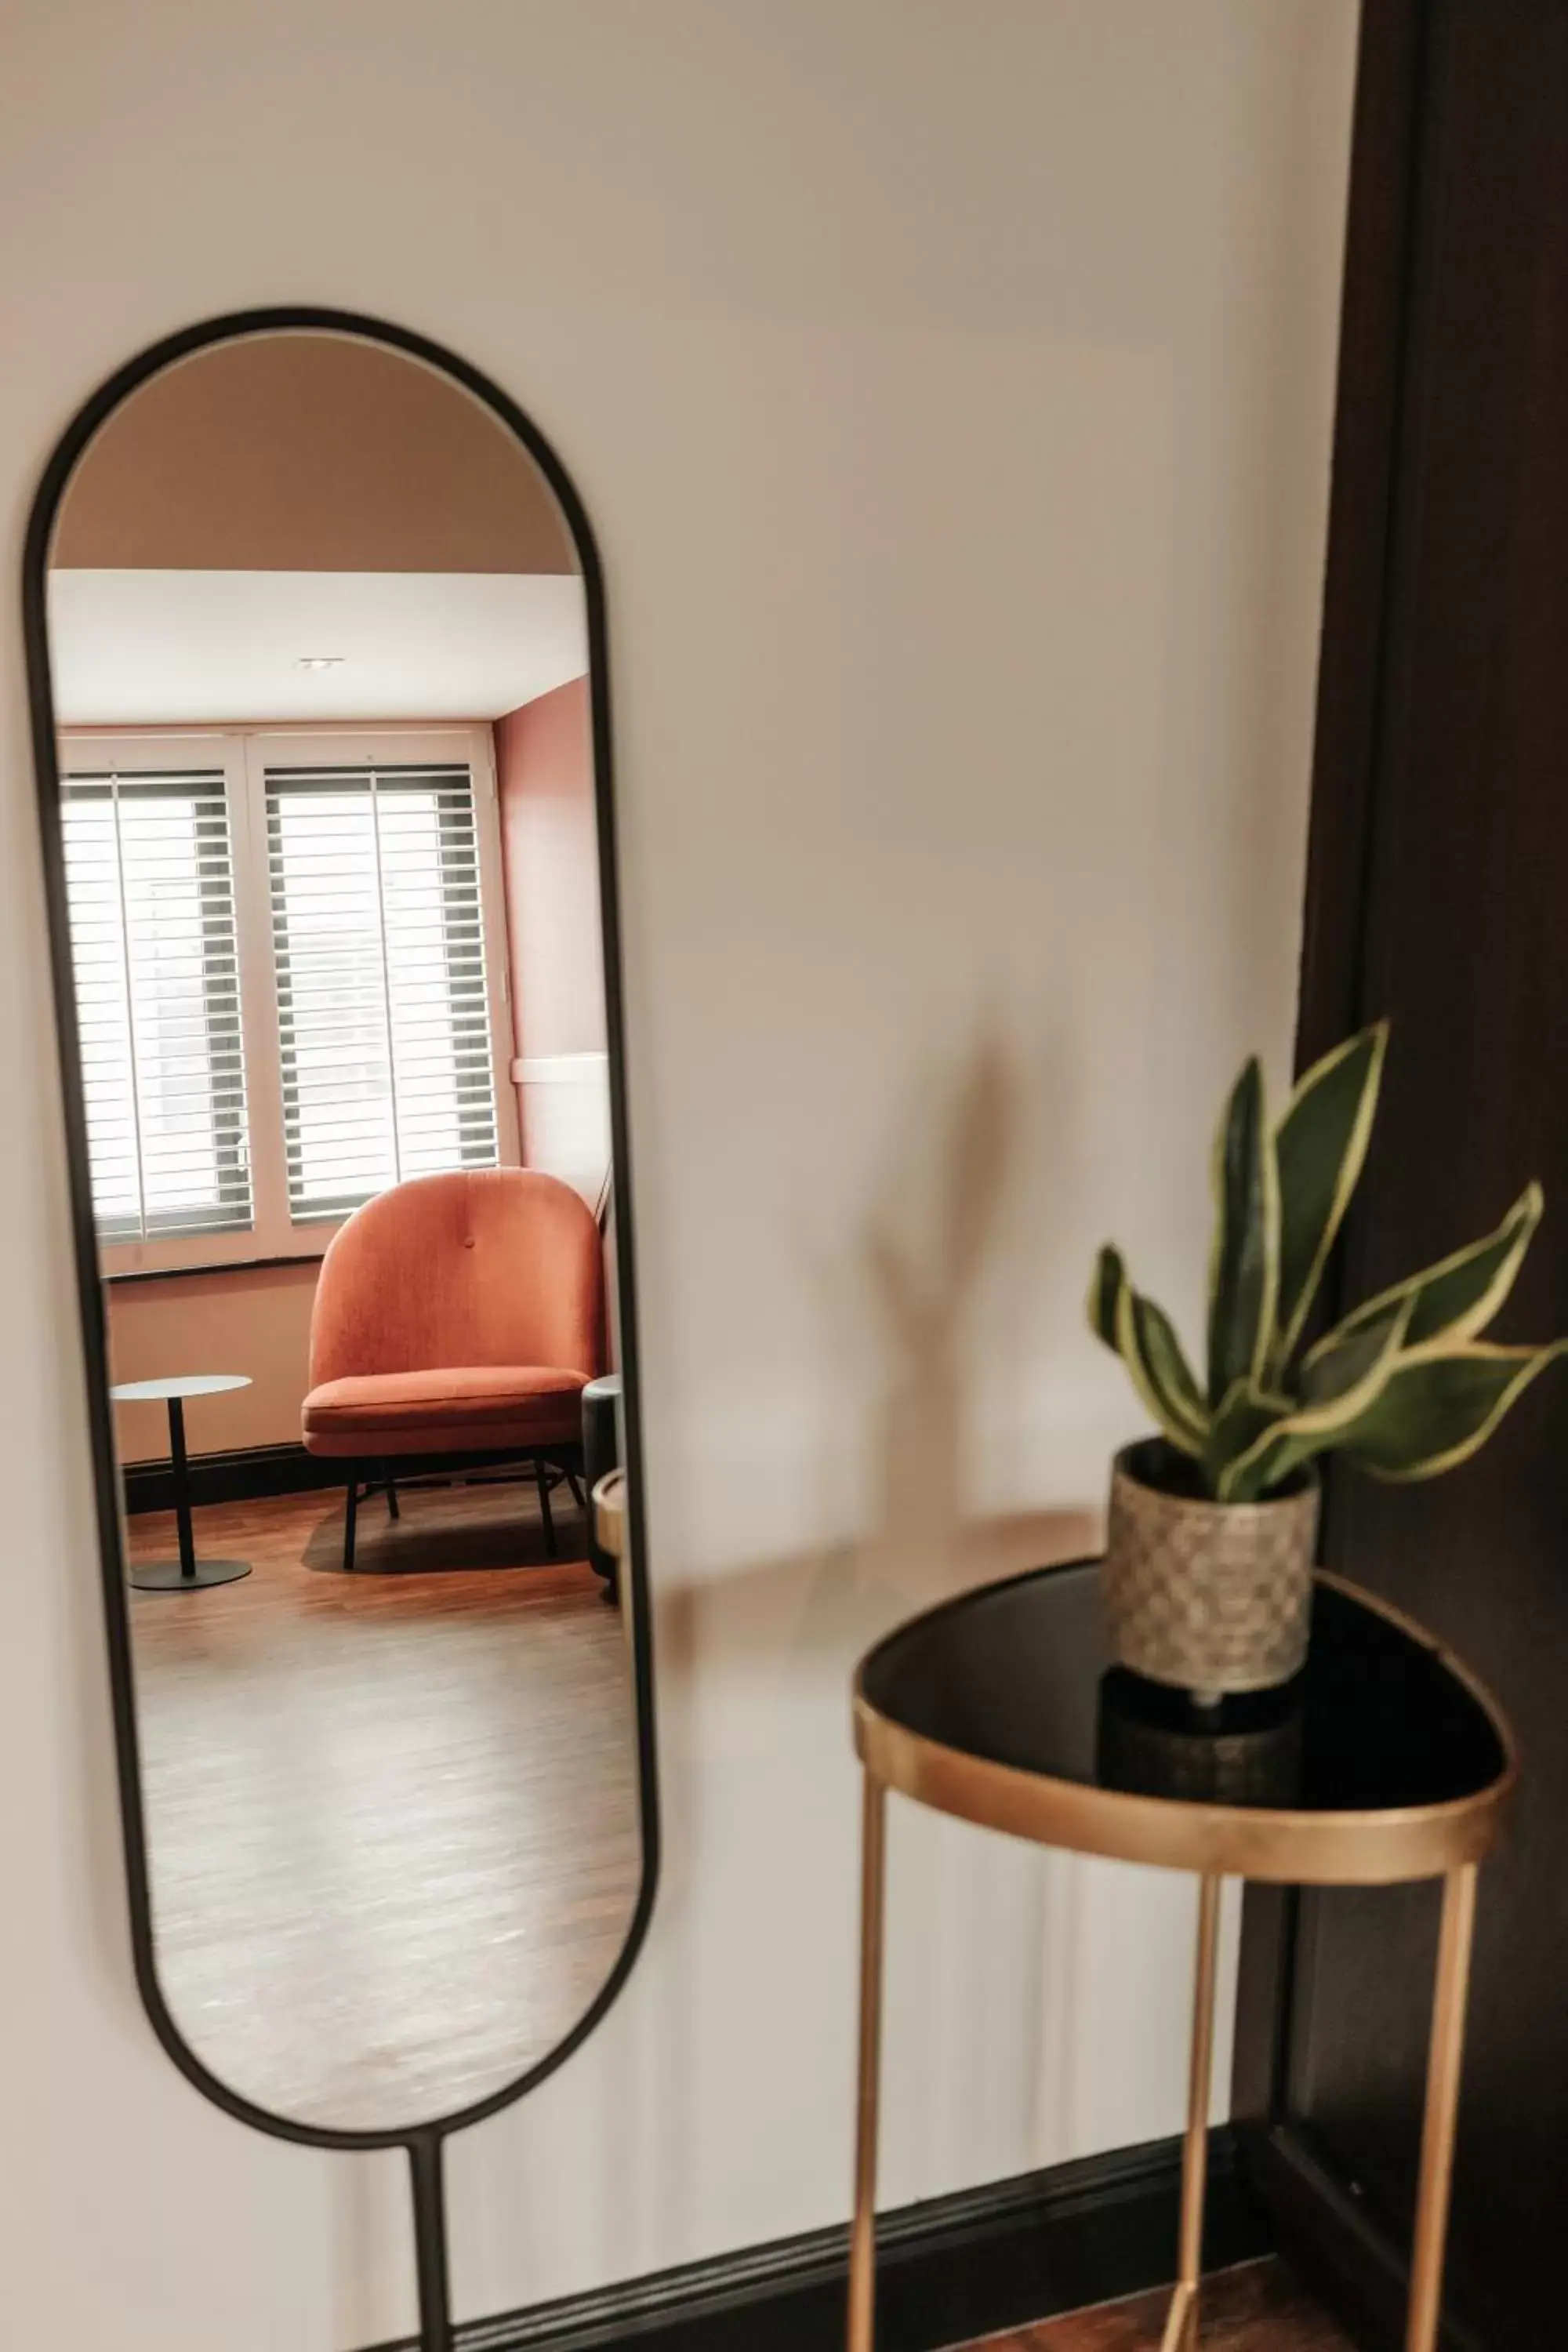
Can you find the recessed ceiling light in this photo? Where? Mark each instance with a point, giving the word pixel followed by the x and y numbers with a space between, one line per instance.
pixel 321 661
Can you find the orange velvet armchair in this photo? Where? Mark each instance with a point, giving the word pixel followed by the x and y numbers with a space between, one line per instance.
pixel 456 1315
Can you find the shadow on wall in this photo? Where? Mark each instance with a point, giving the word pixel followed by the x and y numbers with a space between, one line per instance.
pixel 1017 2032
pixel 760 1781
pixel 924 1249
pixel 923 1302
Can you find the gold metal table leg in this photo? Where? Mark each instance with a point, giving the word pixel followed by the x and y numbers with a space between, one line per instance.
pixel 863 2232
pixel 1182 2322
pixel 1443 2065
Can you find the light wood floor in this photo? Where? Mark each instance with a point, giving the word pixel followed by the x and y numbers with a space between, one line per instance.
pixel 392 1817
pixel 1256 2308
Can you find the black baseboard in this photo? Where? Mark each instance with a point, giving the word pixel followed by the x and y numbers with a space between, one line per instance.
pixel 948 2270
pixel 255 1470
pixel 1358 2269
pixel 236 1477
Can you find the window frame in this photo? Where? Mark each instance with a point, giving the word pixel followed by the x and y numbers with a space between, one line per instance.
pixel 243 753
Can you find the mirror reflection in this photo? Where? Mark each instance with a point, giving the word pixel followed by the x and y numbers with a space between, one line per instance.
pixel 1153 1741
pixel 320 657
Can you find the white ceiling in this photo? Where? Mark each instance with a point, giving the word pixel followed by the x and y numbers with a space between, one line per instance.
pixel 139 648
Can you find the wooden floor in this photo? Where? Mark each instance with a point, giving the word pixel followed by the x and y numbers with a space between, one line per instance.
pixel 391 1816
pixel 1256 2308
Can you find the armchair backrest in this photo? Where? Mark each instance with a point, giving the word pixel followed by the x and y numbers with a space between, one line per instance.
pixel 493 1266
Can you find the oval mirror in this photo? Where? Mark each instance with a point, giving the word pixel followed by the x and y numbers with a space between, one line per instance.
pixel 318 656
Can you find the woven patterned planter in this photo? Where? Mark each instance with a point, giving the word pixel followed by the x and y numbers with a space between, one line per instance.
pixel 1210 1597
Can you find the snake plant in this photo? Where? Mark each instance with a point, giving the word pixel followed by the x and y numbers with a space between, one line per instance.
pixel 1404 1386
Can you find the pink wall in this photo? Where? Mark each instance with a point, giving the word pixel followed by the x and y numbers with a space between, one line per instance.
pixel 550 845
pixel 250 1319
pixel 307 453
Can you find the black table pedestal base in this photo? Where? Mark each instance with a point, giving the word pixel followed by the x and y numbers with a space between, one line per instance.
pixel 169 1576
pixel 186 1574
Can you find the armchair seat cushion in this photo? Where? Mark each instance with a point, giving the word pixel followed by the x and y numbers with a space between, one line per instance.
pixel 471 1408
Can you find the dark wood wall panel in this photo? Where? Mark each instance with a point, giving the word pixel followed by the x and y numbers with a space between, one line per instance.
pixel 1439 895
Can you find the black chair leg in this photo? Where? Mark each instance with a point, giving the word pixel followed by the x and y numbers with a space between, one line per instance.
pixel 392 1509
pixel 576 1486
pixel 542 1480
pixel 350 1517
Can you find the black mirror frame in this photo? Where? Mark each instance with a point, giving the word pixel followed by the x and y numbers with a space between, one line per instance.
pixel 422 2142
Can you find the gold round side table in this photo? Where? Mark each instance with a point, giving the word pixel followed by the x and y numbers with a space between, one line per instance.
pixel 1385 1761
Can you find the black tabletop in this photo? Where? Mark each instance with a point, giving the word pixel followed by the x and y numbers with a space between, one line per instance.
pixel 1019 1674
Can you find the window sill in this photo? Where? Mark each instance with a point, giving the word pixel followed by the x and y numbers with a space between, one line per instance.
pixel 214 1265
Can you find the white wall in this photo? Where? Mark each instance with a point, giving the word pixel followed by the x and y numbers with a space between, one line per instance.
pixel 949 382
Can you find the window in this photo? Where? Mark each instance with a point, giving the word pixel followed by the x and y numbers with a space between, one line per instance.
pixel 380 959
pixel 290 972
pixel 149 880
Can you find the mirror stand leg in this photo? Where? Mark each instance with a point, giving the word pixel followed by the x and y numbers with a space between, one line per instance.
pixel 430 2244
pixel 862 2314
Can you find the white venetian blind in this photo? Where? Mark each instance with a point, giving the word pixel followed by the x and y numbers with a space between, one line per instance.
pixel 150 887
pixel 378 941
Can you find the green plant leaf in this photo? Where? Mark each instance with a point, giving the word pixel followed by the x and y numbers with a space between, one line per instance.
pixel 1345 1382
pixel 1246 1414
pixel 1105 1288
pixel 1161 1351
pixel 1145 1338
pixel 1151 1352
pixel 1441 1405
pixel 1457 1298
pixel 1320 1149
pixel 1339 1365
pixel 1265 1465
pixel 1244 1268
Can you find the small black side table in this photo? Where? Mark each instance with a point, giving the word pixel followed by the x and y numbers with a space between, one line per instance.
pixel 1384 1760
pixel 601 1454
pixel 186 1574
